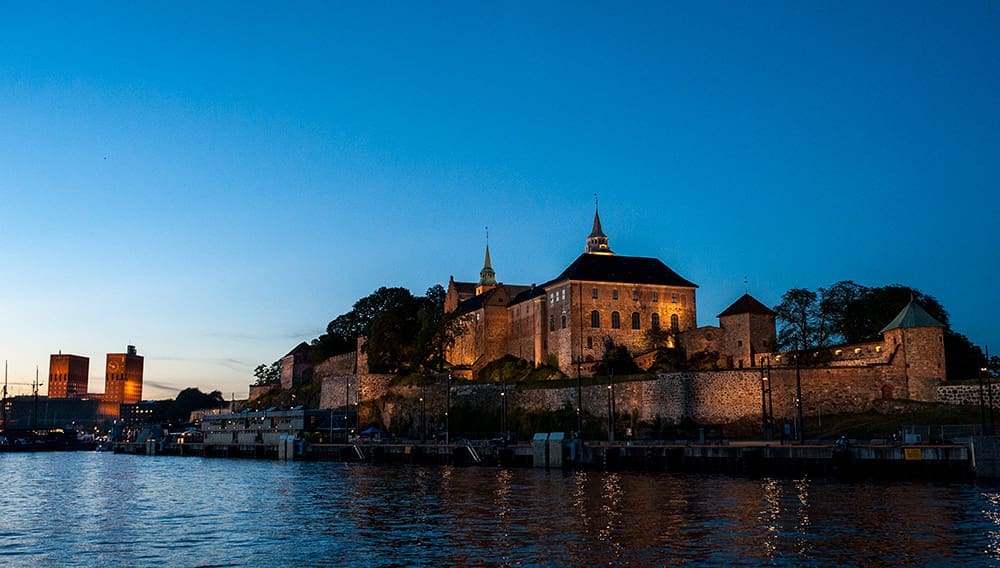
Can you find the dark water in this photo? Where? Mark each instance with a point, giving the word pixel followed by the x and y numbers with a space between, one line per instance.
pixel 91 509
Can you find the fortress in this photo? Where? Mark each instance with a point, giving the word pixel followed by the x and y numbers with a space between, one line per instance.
pixel 603 298
pixel 642 304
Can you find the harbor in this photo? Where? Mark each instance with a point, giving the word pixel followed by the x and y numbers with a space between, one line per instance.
pixel 946 462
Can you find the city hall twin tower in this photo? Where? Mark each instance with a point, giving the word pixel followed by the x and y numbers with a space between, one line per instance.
pixel 599 299
pixel 69 378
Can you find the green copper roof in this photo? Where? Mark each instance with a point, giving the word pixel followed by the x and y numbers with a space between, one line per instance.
pixel 912 316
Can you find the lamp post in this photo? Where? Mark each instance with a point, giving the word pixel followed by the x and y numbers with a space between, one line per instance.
pixel 989 386
pixel 579 396
pixel 347 407
pixel 447 412
pixel 982 406
pixel 503 411
pixel 798 399
pixel 423 416
pixel 765 390
pixel 611 406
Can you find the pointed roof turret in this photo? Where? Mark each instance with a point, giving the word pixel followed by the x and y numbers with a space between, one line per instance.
pixel 597 242
pixel 746 304
pixel 487 277
pixel 912 316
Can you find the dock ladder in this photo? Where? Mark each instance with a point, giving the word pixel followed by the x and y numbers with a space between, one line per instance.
pixel 360 453
pixel 473 453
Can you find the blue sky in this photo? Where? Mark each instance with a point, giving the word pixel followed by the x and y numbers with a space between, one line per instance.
pixel 214 182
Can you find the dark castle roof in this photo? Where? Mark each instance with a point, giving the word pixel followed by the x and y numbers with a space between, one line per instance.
pixel 912 316
pixel 625 269
pixel 476 302
pixel 532 292
pixel 747 304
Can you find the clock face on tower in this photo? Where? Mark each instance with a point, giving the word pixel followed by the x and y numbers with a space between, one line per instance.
pixel 114 366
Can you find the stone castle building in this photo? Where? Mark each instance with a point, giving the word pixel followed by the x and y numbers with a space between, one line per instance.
pixel 600 297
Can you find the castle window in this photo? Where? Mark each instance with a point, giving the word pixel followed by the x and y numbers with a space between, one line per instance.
pixel 635 295
pixel 739 343
pixel 564 294
pixel 564 320
pixel 675 324
pixel 654 321
pixel 593 292
pixel 590 343
pixel 616 320
pixel 655 296
pixel 595 319
pixel 614 294
pixel 635 320
pixel 673 298
pixel 552 322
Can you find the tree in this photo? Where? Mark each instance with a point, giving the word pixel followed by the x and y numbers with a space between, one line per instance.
pixel 836 303
pixel 438 329
pixel 658 338
pixel 617 359
pixel 267 374
pixel 862 316
pixel 392 334
pixel 801 323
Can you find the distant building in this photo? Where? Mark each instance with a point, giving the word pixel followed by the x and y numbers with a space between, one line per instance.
pixel 138 414
pixel 68 376
pixel 123 381
pixel 41 412
pixel 296 367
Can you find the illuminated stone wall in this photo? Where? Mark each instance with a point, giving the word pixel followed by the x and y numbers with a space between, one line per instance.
pixel 968 394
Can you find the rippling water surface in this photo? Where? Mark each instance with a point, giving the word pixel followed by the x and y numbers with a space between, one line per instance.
pixel 98 509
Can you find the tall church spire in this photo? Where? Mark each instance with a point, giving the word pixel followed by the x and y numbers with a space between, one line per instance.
pixel 597 242
pixel 487 277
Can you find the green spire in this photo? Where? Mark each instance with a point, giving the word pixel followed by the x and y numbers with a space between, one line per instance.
pixel 487 277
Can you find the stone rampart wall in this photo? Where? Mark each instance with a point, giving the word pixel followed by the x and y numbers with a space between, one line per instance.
pixel 967 394
pixel 712 397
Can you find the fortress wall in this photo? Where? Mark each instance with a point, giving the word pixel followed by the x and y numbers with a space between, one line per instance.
pixel 711 397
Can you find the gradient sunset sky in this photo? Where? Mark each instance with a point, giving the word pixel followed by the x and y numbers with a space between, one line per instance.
pixel 215 181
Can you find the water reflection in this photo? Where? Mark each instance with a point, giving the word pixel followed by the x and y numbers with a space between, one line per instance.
pixel 126 510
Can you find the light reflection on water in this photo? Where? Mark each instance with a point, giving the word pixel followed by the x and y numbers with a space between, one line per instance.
pixel 94 509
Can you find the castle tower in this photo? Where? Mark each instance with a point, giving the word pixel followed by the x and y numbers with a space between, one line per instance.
pixel 597 241
pixel 487 277
pixel 749 327
pixel 918 341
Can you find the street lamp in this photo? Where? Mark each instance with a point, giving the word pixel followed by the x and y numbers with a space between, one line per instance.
pixel 503 411
pixel 447 411
pixel 798 399
pixel 611 406
pixel 579 396
pixel 765 390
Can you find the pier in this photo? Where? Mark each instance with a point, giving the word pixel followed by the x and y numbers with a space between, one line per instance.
pixel 873 460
